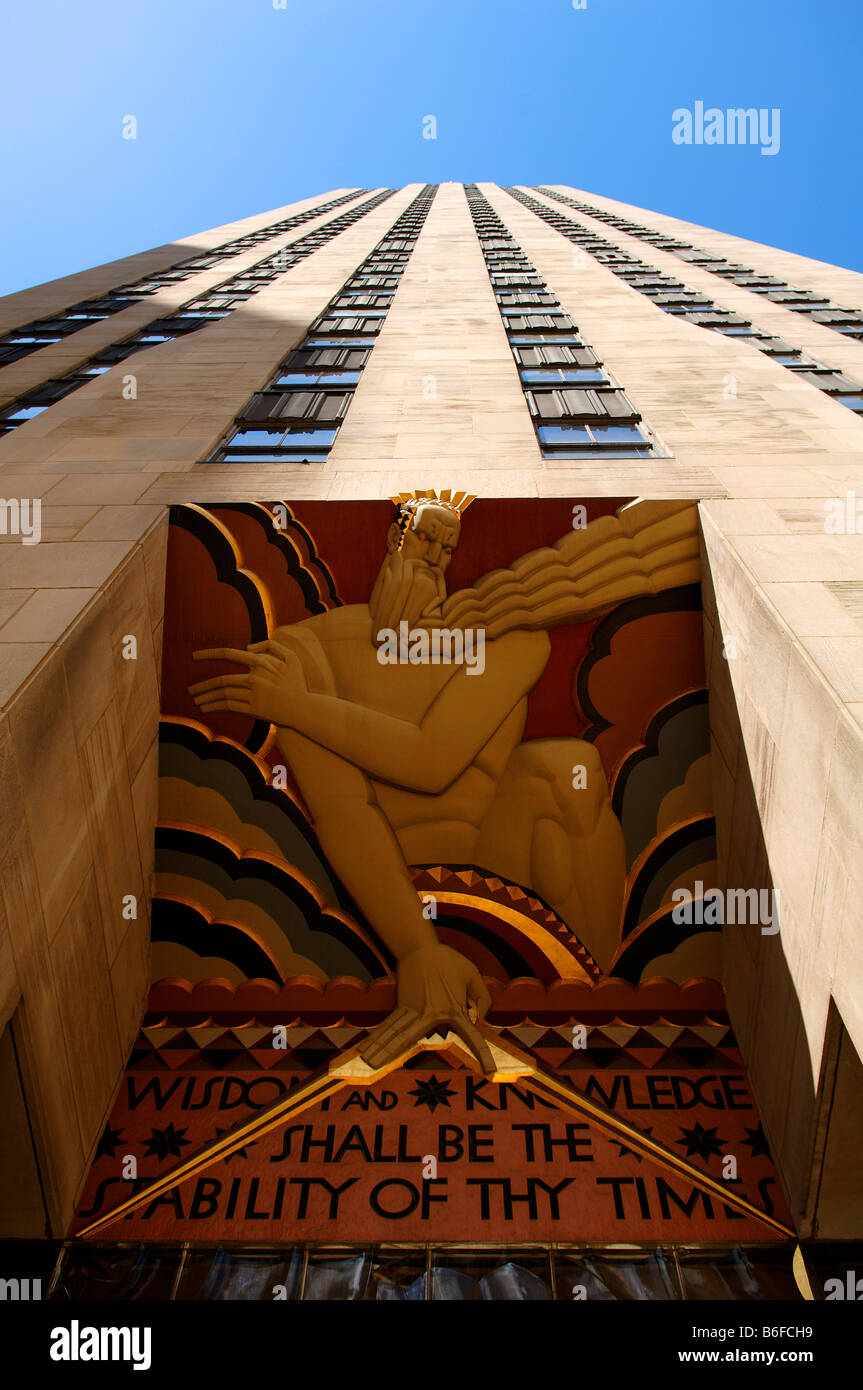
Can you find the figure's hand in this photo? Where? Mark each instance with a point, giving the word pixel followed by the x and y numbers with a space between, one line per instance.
pixel 267 689
pixel 436 988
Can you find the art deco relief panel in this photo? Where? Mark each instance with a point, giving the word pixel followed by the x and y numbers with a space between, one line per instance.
pixel 558 795
pixel 434 776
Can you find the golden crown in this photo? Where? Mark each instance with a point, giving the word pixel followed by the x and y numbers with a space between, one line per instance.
pixel 457 502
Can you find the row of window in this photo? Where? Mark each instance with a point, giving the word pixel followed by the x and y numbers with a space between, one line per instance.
pixel 215 304
pixel 20 342
pixel 846 321
pixel 535 1271
pixel 296 417
pixel 577 409
pixel 674 297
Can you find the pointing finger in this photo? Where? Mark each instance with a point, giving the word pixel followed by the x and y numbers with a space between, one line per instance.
pixel 477 993
pixel 225 692
pixel 272 648
pixel 221 702
pixel 228 654
pixel 395 1036
pixel 219 683
pixel 476 1042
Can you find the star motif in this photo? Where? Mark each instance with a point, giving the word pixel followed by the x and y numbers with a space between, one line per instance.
pixel 238 1153
pixel 432 1093
pixel 699 1141
pixel 633 1152
pixel 109 1141
pixel 164 1143
pixel 757 1141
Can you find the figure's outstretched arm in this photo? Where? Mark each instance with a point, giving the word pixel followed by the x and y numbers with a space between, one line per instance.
pixel 644 548
pixel 424 757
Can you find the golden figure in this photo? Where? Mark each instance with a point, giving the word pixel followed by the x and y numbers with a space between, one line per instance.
pixel 418 761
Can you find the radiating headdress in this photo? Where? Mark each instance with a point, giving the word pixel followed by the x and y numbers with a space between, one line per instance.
pixel 409 503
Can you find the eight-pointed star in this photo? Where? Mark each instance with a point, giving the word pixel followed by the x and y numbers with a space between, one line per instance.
pixel 699 1141
pixel 165 1143
pixel 432 1093
pixel 109 1142
pixel 756 1140
pixel 238 1153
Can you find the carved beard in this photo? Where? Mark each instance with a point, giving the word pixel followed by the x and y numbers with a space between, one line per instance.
pixel 404 591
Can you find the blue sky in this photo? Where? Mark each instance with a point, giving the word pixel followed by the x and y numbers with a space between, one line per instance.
pixel 242 107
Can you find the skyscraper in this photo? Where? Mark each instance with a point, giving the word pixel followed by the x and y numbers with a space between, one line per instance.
pixel 234 412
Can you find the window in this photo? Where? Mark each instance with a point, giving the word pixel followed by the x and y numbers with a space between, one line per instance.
pixel 345 321
pixel 269 446
pixel 334 342
pixel 552 353
pixel 189 319
pixel 598 439
pixel 524 298
pixel 362 301
pixel 28 412
pixel 322 379
pixel 675 298
pixel 569 403
pixel 527 340
pixel 340 341
pixel 518 322
pixel 846 321
pixel 549 353
pixel 551 375
pixel 81 315
pixel 298 405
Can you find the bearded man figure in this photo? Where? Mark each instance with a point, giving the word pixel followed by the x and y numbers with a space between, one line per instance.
pixel 421 762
